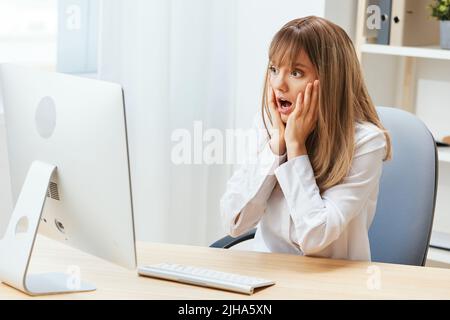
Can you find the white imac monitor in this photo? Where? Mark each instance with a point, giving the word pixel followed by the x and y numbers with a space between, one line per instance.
pixel 70 172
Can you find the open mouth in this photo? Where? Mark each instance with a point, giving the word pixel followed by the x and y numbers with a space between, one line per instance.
pixel 284 106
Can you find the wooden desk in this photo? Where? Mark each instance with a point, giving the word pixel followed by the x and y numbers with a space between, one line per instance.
pixel 296 277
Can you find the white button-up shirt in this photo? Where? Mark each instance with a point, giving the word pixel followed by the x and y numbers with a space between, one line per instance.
pixel 281 198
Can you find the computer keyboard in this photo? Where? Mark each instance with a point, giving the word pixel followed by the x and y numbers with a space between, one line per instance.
pixel 204 277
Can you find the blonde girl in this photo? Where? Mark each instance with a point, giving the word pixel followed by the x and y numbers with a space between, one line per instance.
pixel 313 189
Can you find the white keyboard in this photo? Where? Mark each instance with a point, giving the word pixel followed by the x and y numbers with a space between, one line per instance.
pixel 204 277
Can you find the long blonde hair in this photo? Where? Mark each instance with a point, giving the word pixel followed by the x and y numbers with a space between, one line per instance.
pixel 344 99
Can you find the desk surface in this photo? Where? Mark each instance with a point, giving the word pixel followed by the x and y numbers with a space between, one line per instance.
pixel 296 277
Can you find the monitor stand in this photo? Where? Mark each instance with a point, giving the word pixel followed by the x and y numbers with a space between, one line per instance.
pixel 17 245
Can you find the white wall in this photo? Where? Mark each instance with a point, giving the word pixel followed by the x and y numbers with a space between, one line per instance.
pixel 343 13
pixel 382 76
pixel 28 31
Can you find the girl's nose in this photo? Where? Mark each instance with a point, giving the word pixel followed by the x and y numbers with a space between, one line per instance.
pixel 279 83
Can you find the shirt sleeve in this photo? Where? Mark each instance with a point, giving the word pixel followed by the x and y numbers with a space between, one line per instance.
pixel 320 220
pixel 247 191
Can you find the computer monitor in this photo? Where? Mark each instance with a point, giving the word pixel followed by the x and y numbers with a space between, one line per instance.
pixel 67 144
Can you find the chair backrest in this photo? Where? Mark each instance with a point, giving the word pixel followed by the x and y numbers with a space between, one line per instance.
pixel 401 229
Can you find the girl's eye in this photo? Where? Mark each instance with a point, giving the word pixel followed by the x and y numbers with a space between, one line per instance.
pixel 273 70
pixel 297 73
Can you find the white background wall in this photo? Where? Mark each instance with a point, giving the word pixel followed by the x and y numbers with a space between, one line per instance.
pixel 28 31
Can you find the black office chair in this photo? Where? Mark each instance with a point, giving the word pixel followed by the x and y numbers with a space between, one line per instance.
pixel 401 230
pixel 228 241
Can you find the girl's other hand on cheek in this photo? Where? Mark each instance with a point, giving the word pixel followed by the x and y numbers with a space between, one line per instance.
pixel 302 120
pixel 277 141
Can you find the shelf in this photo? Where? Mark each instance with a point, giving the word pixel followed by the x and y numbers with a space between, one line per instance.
pixel 444 154
pixel 429 52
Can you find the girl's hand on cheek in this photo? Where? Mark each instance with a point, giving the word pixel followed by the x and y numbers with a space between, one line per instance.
pixel 302 120
pixel 277 142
